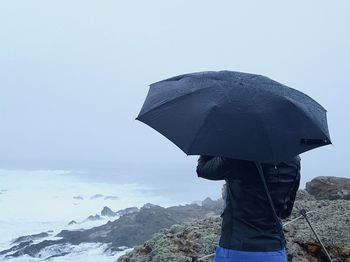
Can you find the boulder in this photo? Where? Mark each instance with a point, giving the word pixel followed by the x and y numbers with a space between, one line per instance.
pixel 107 212
pixel 215 205
pixel 94 218
pixel 150 205
pixel 303 195
pixel 132 228
pixel 30 237
pixel 126 211
pixel 199 238
pixel 73 222
pixel 329 187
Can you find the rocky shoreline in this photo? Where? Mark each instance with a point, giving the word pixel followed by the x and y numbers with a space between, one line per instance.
pixel 183 233
pixel 330 218
pixel 133 227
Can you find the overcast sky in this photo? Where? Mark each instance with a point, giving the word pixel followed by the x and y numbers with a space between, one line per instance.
pixel 74 74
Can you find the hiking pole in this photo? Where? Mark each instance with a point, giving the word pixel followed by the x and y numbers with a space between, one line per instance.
pixel 303 213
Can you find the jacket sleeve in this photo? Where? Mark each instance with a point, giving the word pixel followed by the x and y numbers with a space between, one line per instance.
pixel 290 203
pixel 214 168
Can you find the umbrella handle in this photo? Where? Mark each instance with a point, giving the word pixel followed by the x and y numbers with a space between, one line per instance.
pixel 313 142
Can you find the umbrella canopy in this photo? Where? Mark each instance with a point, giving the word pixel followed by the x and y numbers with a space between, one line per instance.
pixel 237 115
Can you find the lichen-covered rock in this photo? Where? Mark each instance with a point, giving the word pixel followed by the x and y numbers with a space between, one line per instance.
pixel 331 219
pixel 329 187
pixel 179 243
pixel 303 195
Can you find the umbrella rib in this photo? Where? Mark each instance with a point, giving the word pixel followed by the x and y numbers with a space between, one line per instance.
pixel 205 119
pixel 174 100
pixel 268 137
pixel 295 103
pixel 308 116
pixel 266 133
pixel 200 128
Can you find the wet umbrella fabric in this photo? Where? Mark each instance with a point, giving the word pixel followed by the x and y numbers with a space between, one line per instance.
pixel 236 115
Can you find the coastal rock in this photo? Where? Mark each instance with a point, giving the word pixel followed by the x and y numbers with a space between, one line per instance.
pixel 330 219
pixel 31 249
pixel 329 187
pixel 94 218
pixel 107 212
pixel 30 237
pixel 215 205
pixel 73 222
pixel 303 195
pixel 199 238
pixel 16 247
pixel 187 231
pixel 179 243
pixel 149 205
pixel 126 211
pixel 132 228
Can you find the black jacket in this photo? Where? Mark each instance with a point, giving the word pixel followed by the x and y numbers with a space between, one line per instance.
pixel 248 221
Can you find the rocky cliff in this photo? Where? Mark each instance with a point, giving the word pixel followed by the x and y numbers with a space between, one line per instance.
pixel 132 228
pixel 192 231
pixel 329 217
pixel 329 187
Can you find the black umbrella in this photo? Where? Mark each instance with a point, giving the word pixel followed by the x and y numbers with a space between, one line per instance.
pixel 236 115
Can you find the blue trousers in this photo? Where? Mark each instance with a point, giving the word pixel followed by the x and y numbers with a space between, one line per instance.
pixel 230 255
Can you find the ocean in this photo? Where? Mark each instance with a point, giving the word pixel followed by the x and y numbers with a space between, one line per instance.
pixel 38 201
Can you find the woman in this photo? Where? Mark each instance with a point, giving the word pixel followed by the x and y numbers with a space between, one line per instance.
pixel 257 197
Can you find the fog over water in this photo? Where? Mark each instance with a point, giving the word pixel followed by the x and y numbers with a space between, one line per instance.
pixel 74 75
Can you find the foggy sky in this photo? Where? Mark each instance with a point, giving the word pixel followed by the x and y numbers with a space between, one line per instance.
pixel 74 74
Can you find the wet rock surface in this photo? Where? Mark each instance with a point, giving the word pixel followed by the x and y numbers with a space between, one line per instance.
pixel 329 187
pixel 330 218
pixel 132 228
pixel 182 233
pixel 94 218
pixel 107 212
pixel 126 211
pixel 179 243
pixel 331 221
pixel 30 237
pixel 72 222
pixel 304 195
